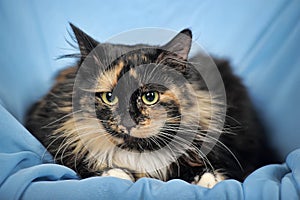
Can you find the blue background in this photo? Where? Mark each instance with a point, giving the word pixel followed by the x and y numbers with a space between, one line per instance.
pixel 260 38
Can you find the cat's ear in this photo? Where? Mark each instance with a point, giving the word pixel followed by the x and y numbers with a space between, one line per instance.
pixel 85 42
pixel 180 44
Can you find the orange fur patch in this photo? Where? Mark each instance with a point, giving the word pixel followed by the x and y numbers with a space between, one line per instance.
pixel 109 79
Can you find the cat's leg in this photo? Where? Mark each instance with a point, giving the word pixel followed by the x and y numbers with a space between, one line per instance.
pixel 208 179
pixel 119 173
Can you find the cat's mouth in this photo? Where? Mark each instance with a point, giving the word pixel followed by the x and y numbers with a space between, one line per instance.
pixel 145 129
pixel 132 134
pixel 140 139
pixel 131 141
pixel 151 143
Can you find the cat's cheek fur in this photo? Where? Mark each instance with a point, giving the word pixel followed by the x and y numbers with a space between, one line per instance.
pixel 208 179
pixel 119 173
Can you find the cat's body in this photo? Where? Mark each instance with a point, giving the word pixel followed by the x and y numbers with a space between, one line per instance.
pixel 111 137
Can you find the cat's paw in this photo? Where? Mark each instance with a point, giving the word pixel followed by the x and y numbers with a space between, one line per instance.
pixel 208 179
pixel 119 173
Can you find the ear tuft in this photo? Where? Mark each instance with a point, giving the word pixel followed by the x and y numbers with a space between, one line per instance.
pixel 85 42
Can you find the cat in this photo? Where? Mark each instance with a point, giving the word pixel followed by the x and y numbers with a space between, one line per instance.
pixel 105 116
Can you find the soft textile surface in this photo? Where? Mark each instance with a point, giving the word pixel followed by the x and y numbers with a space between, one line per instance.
pixel 261 39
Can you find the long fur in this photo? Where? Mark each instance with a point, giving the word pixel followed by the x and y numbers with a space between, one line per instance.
pixel 91 139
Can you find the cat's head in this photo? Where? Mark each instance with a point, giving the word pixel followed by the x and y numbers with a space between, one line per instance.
pixel 139 98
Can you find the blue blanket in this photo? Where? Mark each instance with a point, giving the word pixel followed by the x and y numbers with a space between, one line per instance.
pixel 261 40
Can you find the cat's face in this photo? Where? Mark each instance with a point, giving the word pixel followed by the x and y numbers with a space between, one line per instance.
pixel 138 95
pixel 134 108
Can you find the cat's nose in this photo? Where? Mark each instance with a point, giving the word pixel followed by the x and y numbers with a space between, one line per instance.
pixel 128 123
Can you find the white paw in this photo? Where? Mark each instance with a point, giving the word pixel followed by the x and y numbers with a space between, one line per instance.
pixel 209 180
pixel 119 173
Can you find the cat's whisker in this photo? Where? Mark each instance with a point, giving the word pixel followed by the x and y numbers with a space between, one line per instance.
pixel 63 117
pixel 64 147
pixel 155 141
pixel 171 150
pixel 191 146
pixel 192 132
pixel 53 141
pixel 227 149
pixel 60 149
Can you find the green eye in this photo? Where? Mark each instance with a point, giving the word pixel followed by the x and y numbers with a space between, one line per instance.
pixel 108 98
pixel 150 98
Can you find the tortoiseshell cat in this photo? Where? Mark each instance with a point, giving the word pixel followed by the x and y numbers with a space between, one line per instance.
pixel 107 117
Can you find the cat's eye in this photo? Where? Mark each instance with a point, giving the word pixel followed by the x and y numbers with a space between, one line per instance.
pixel 108 98
pixel 150 98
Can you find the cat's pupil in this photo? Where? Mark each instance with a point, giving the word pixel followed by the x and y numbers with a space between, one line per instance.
pixel 150 96
pixel 109 97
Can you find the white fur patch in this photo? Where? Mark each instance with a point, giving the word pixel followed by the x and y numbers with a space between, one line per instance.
pixel 118 173
pixel 208 179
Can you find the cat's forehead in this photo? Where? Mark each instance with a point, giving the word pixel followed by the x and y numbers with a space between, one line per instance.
pixel 123 67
